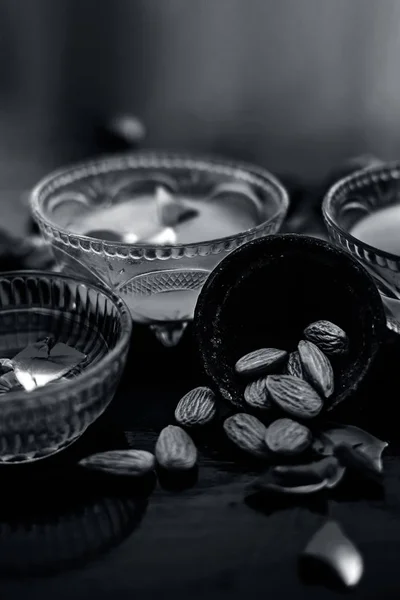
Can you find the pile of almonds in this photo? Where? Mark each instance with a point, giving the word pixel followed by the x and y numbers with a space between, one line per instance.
pixel 296 384
pixel 287 390
pixel 293 387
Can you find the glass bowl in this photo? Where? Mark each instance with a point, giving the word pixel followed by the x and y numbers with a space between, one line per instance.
pixel 354 198
pixel 34 305
pixel 159 282
pixel 265 293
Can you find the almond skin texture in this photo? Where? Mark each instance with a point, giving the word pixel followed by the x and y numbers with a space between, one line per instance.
pixel 256 394
pixel 260 362
pixel 329 338
pixel 294 396
pixel 197 407
pixel 285 436
pixel 248 433
pixel 175 449
pixel 317 368
pixel 294 366
pixel 131 463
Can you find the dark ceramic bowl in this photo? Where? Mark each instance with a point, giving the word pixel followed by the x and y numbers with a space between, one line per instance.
pixel 265 293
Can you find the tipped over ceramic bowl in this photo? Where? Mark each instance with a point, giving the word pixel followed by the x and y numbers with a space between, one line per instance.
pixel 266 292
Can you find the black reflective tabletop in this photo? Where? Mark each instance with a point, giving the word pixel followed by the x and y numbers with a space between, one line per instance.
pixel 64 534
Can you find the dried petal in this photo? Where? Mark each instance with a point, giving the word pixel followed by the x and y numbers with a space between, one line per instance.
pixel 6 365
pixel 327 469
pixel 357 460
pixel 333 548
pixel 9 383
pixel 372 446
pixel 266 486
pixel 45 361
pixel 322 445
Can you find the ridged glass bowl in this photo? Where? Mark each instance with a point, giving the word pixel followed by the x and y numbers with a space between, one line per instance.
pixel 160 283
pixel 34 305
pixel 350 200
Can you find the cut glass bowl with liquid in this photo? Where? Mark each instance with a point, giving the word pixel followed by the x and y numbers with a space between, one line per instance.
pixel 362 215
pixel 85 213
pixel 33 306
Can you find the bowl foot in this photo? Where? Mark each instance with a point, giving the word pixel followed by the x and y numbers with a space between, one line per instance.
pixel 36 456
pixel 169 334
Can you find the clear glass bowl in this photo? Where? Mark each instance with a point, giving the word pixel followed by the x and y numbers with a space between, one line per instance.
pixel 159 283
pixel 350 200
pixel 34 305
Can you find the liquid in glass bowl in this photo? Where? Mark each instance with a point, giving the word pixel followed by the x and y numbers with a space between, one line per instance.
pixel 36 305
pixel 362 214
pixel 102 219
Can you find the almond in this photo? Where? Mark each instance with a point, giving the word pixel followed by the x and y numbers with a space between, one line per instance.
pixel 197 407
pixel 295 396
pixel 317 368
pixel 248 433
pixel 329 338
pixel 285 436
pixel 256 394
pixel 120 462
pixel 260 362
pixel 175 449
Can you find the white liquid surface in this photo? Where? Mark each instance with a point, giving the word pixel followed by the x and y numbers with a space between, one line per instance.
pixel 380 229
pixel 176 305
pixel 138 216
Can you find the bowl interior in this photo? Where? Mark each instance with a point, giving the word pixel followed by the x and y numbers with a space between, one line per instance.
pixel 34 306
pixel 65 197
pixel 360 194
pixel 265 293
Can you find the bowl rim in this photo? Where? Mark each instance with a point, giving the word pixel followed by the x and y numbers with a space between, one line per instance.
pixel 336 188
pixel 201 306
pixel 81 380
pixel 118 162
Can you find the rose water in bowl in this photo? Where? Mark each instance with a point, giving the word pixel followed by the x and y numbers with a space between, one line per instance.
pixel 63 345
pixel 152 226
pixel 362 213
pixel 380 229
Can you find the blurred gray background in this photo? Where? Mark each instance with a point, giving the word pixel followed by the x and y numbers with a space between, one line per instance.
pixel 295 85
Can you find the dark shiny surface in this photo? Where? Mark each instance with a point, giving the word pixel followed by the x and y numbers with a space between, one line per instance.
pixel 210 538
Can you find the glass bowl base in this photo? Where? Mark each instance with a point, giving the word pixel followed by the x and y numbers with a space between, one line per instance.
pixel 392 310
pixel 35 456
